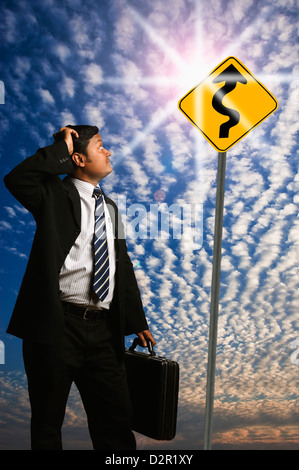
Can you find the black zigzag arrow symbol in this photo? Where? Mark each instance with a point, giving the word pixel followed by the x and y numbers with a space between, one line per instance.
pixel 230 76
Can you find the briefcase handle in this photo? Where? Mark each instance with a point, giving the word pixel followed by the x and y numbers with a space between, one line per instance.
pixel 149 346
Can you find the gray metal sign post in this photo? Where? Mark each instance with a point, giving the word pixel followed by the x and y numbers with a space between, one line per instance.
pixel 215 289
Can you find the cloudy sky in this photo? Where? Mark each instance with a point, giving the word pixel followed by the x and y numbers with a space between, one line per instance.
pixel 123 66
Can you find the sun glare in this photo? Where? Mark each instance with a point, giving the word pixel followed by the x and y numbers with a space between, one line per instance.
pixel 185 70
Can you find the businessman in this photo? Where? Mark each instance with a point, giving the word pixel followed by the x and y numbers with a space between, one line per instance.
pixel 79 296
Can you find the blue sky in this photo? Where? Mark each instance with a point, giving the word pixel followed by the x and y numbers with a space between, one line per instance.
pixel 123 66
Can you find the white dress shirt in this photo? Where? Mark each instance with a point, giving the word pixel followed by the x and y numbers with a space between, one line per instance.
pixel 76 275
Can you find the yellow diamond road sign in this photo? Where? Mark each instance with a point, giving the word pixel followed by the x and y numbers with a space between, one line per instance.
pixel 228 104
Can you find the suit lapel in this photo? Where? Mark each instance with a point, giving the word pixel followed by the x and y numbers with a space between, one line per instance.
pixel 74 197
pixel 113 213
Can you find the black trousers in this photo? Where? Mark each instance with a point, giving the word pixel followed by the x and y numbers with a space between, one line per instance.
pixel 87 355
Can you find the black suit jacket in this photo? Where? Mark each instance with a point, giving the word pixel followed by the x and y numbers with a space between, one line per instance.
pixel 55 205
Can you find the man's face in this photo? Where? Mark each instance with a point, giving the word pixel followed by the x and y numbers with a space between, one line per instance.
pixel 97 164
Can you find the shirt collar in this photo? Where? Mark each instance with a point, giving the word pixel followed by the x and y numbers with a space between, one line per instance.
pixel 84 187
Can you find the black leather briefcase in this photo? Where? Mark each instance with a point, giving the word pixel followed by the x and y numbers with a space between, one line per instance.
pixel 154 385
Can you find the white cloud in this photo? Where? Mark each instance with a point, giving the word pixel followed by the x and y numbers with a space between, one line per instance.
pixel 139 177
pixel 87 31
pixel 62 51
pixel 46 96
pixel 92 75
pixel 79 29
pixel 5 225
pixel 22 66
pixel 11 211
pixel 125 30
pixel 152 154
pixel 129 76
pixel 67 118
pixel 9 27
pixel 68 87
pixel 95 114
pixel 180 146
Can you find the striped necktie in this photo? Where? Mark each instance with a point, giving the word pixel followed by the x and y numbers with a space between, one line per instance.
pixel 101 258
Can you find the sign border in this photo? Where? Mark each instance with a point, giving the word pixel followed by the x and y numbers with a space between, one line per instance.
pixel 243 135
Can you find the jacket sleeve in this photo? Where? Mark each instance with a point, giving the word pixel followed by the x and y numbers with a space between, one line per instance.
pixel 26 180
pixel 135 316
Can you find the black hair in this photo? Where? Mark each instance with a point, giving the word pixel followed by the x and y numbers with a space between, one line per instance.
pixel 85 134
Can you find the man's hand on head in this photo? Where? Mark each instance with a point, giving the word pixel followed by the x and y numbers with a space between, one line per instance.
pixel 65 133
